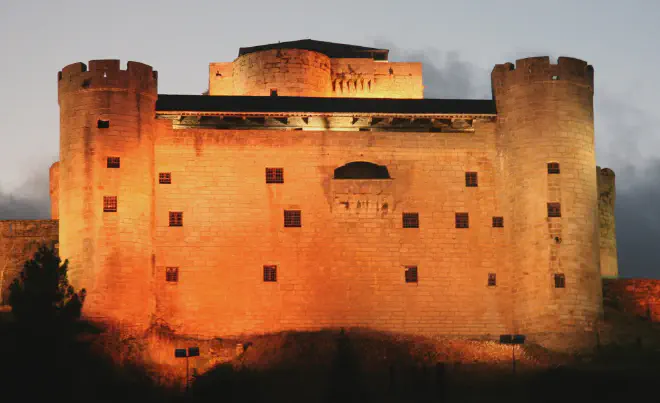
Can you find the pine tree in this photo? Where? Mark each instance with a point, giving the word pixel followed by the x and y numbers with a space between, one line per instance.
pixel 42 295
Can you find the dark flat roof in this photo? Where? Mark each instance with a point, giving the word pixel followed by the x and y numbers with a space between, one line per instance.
pixel 330 49
pixel 277 104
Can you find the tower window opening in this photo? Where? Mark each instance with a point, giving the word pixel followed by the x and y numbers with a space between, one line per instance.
pixel 176 218
pixel 553 167
pixel 361 170
pixel 273 92
pixel 498 222
pixel 113 162
pixel 274 175
pixel 411 274
pixel 560 280
pixel 471 179
pixel 554 210
pixel 105 74
pixel 462 220
pixel 410 220
pixel 270 273
pixel 492 279
pixel 292 218
pixel 103 124
pixel 109 204
pixel 165 177
pixel 555 78
pixel 172 274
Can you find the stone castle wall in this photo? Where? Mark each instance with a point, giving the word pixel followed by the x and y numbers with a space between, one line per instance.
pixel 545 115
pixel 297 72
pixel 640 297
pixel 19 240
pixel 609 267
pixel 345 266
pixel 108 112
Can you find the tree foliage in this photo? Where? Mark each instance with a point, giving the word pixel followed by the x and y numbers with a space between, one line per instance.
pixel 42 293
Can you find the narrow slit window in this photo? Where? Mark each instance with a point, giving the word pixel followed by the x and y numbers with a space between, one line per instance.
pixel 410 220
pixel 462 220
pixel 103 124
pixel 292 218
pixel 498 222
pixel 553 168
pixel 164 177
pixel 471 180
pixel 113 162
pixel 411 274
pixel 492 279
pixel 109 204
pixel 560 280
pixel 270 273
pixel 176 218
pixel 554 210
pixel 172 274
pixel 274 175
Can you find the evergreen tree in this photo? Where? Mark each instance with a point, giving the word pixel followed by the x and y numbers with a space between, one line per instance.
pixel 42 295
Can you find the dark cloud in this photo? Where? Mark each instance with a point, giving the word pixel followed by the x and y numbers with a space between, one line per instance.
pixel 446 75
pixel 31 200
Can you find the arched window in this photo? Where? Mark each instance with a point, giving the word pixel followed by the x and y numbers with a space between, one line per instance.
pixel 362 170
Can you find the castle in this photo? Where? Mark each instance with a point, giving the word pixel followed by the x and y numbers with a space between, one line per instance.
pixel 314 186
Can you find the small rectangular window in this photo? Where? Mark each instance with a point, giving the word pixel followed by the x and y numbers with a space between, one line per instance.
pixel 274 175
pixel 554 210
pixel 411 274
pixel 410 220
pixel 273 92
pixel 270 273
pixel 292 218
pixel 109 204
pixel 462 220
pixel 492 279
pixel 471 179
pixel 176 218
pixel 103 124
pixel 164 177
pixel 553 167
pixel 560 281
pixel 498 222
pixel 172 274
pixel 113 162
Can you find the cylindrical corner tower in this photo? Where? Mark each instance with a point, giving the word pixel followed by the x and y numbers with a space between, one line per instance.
pixel 285 72
pixel 609 262
pixel 106 186
pixel 54 181
pixel 546 134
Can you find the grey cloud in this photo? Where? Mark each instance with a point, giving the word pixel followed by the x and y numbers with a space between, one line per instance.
pixel 31 200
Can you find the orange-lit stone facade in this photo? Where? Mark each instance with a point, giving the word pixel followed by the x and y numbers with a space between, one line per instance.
pixel 299 72
pixel 346 264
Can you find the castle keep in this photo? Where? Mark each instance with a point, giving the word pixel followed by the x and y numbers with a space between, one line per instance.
pixel 314 186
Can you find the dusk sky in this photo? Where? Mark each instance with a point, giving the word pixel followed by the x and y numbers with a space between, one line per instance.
pixel 459 42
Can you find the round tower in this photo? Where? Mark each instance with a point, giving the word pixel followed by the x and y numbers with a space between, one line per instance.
pixel 283 72
pixel 106 185
pixel 546 134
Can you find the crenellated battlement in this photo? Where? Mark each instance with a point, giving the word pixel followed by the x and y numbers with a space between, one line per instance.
pixel 539 69
pixel 108 75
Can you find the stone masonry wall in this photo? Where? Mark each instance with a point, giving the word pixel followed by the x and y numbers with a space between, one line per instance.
pixel 292 72
pixel 345 265
pixel 609 266
pixel 545 115
pixel 640 297
pixel 19 240
pixel 296 72
pixel 367 78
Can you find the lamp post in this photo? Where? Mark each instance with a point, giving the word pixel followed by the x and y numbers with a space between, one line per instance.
pixel 183 353
pixel 513 340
